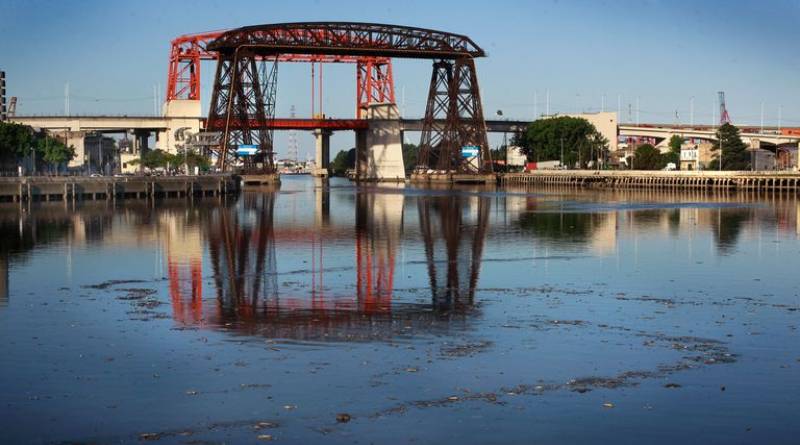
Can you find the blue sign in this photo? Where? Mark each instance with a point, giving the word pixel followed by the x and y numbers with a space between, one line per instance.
pixel 247 150
pixel 470 151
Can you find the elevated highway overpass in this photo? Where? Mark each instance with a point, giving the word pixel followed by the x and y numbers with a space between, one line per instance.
pixel 749 135
pixel 164 128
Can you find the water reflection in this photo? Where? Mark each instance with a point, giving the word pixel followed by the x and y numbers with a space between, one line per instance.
pixel 241 245
pixel 379 226
pixel 453 229
pixel 565 228
pixel 727 226
pixel 229 262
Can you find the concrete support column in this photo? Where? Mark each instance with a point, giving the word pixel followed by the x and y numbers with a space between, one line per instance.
pixel 323 152
pixel 141 140
pixel 383 145
pixel 76 139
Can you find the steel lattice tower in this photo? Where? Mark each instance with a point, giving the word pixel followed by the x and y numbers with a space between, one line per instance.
pixel 724 118
pixel 292 149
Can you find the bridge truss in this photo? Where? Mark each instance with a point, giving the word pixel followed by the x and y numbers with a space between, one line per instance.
pixel 374 81
pixel 454 96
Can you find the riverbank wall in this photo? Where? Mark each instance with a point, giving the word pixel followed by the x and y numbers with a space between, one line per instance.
pixel 731 180
pixel 72 188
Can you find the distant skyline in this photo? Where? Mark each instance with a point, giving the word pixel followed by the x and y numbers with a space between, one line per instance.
pixel 113 54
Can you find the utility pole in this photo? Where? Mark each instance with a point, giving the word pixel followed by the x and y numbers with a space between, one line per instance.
pixel 505 148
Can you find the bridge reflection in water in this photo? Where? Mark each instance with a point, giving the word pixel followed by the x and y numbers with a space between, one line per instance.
pixel 454 229
pixel 235 262
pixel 243 251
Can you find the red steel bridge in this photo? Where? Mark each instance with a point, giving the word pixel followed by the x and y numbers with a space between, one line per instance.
pixel 374 81
pixel 243 101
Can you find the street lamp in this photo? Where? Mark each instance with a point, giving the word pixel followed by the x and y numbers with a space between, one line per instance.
pixel 505 142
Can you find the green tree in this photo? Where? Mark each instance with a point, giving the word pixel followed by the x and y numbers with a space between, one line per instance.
pixel 577 138
pixel 15 141
pixel 344 160
pixel 675 144
pixel 158 159
pixel 648 157
pixel 54 152
pixel 191 159
pixel 410 156
pixel 18 141
pixel 734 151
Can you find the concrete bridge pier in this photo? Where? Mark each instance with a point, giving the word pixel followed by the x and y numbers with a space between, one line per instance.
pixel 798 156
pixel 76 138
pixel 379 149
pixel 323 154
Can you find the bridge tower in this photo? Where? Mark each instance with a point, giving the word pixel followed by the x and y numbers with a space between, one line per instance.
pixel 242 106
pixel 454 121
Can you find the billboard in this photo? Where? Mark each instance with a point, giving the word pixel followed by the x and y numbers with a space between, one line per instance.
pixel 470 151
pixel 247 150
pixel 689 155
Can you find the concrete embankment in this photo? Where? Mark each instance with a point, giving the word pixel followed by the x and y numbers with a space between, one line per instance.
pixel 731 180
pixel 71 188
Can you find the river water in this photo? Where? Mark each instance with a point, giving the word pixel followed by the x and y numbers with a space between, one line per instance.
pixel 338 314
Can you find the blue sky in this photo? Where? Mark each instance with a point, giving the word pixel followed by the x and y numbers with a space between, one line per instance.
pixel 112 53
